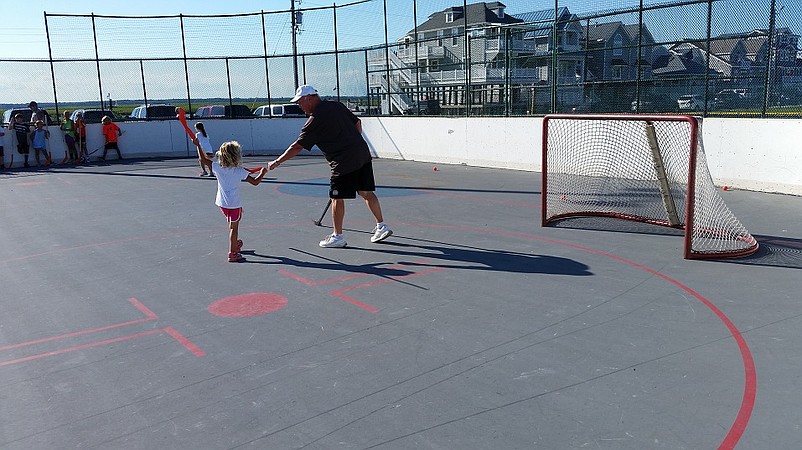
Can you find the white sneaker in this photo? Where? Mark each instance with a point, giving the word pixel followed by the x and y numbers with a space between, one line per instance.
pixel 381 233
pixel 333 241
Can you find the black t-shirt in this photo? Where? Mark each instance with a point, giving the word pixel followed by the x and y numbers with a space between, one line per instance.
pixel 332 127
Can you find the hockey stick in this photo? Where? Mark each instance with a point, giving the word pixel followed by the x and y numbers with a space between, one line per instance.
pixel 13 137
pixel 66 151
pixel 182 117
pixel 319 221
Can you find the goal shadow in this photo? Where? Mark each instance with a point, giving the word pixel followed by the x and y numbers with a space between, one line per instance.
pixel 774 251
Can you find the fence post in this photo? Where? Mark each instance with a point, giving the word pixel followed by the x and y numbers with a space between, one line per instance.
pixel 336 54
pixel 228 82
pixel 144 86
pixel 186 67
pixel 97 62
pixel 771 63
pixel 386 63
pixel 52 69
pixel 467 95
pixel 508 72
pixel 417 69
pixel 267 64
pixel 707 50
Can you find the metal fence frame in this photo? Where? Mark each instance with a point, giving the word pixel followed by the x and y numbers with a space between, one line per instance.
pixel 471 96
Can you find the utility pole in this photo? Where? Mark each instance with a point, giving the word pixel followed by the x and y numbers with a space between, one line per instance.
pixel 295 29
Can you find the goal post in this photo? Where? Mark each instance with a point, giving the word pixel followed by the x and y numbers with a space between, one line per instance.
pixel 645 168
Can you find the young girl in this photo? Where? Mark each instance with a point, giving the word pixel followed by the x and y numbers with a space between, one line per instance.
pixel 229 174
pixel 80 135
pixel 205 147
pixel 39 138
pixel 68 127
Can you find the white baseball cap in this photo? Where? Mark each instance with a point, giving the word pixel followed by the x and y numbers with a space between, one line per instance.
pixel 303 91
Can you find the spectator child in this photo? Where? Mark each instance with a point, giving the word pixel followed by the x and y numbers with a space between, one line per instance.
pixel 21 130
pixel 39 137
pixel 110 132
pixel 68 127
pixel 80 135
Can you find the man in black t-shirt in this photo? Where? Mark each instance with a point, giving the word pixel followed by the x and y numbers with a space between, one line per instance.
pixel 338 134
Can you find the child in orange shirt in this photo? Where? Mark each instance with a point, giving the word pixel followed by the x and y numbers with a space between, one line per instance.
pixel 111 132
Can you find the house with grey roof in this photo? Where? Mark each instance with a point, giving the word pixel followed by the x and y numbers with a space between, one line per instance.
pixel 430 63
pixel 499 56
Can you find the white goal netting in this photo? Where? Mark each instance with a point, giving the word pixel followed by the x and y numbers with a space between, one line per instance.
pixel 644 168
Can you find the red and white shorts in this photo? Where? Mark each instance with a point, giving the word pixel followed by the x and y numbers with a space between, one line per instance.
pixel 232 214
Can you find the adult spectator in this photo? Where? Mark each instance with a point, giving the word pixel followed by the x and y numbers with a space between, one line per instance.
pixel 37 114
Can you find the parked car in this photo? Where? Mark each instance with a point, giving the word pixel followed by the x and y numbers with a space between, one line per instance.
pixel 220 111
pixel 691 102
pixel 284 110
pixel 151 112
pixel 26 114
pixel 93 115
pixel 735 98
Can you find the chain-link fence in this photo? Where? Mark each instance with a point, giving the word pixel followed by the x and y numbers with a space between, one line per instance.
pixel 432 57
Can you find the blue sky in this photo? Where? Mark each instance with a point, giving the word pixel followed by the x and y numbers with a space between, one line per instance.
pixel 23 33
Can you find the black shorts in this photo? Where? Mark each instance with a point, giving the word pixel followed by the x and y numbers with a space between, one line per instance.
pixel 111 146
pixel 346 185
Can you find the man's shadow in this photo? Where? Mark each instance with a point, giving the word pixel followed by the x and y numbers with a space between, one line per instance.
pixel 470 258
pixel 441 256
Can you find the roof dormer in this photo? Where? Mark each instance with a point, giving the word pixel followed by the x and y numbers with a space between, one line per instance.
pixel 497 8
pixel 453 14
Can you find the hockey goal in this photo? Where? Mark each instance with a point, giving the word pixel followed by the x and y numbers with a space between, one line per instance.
pixel 638 167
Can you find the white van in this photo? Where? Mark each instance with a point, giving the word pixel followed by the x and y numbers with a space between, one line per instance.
pixel 147 112
pixel 285 110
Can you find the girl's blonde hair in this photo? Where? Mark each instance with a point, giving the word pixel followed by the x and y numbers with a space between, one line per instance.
pixel 229 154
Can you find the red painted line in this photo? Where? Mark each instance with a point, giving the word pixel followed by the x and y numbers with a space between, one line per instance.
pixel 79 347
pixel 148 313
pixel 31 183
pixel 169 330
pixel 145 310
pixel 184 341
pixel 339 292
pixel 750 373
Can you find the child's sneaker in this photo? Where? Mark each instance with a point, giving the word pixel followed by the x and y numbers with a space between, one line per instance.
pixel 239 245
pixel 380 233
pixel 235 257
pixel 333 241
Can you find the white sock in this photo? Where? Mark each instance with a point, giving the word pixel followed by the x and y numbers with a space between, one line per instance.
pixel 379 224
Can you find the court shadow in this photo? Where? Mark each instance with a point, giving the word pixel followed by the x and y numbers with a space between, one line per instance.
pixel 252 257
pixel 469 258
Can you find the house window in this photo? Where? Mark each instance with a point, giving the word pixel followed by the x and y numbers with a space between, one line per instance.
pixel 455 32
pixel 449 17
pixel 420 40
pixel 434 66
pixel 440 34
pixel 618 42
pixel 617 72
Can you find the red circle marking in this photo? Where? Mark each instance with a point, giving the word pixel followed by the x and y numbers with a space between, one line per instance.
pixel 246 305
